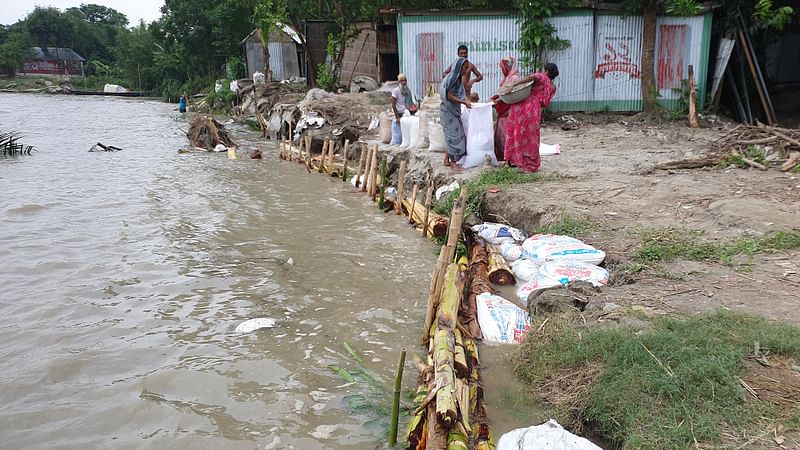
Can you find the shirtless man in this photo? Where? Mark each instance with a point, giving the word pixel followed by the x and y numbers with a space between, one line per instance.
pixel 462 53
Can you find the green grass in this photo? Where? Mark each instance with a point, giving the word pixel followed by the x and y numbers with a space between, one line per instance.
pixel 661 246
pixel 751 152
pixel 488 178
pixel 665 386
pixel 569 225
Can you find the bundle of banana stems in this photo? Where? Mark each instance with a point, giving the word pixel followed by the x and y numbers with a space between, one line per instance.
pixel 499 272
pixel 479 284
pixel 437 225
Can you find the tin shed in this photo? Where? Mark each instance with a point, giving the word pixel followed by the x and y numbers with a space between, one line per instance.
pixel 599 71
pixel 285 53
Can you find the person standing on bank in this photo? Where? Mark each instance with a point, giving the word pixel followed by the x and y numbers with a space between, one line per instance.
pixel 182 103
pixel 453 96
pixel 523 130
pixel 401 95
pixel 463 52
pixel 510 71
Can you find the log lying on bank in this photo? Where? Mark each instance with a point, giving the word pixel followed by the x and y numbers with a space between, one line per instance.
pixel 499 272
pixel 205 132
pixel 479 284
pixel 437 225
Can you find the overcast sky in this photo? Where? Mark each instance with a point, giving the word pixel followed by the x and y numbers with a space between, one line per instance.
pixel 13 10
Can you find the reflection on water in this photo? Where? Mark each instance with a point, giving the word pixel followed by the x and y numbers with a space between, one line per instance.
pixel 125 275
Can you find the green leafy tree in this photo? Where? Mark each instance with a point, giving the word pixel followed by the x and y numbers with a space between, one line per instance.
pixel 268 16
pixel 14 48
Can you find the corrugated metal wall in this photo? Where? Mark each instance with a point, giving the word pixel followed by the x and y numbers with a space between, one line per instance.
pixel 283 60
pixel 599 71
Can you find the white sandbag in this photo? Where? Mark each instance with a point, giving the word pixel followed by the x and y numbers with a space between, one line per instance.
pixel 424 141
pixel 480 135
pixel 495 233
pixel 500 320
pixel 538 282
pixel 405 131
pixel 436 135
pixel 413 126
pixel 549 247
pixel 386 127
pixel 566 271
pixel 446 189
pixel 511 251
pixel 524 270
pixel 547 436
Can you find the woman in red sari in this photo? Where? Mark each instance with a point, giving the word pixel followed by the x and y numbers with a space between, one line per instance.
pixel 523 129
pixel 510 70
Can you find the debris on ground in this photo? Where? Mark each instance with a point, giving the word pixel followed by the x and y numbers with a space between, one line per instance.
pixel 206 132
pixel 774 144
pixel 99 147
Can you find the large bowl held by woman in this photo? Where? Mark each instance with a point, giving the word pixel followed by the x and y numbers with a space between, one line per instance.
pixel 517 94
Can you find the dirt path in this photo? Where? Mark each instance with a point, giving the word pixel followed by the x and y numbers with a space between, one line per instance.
pixel 609 181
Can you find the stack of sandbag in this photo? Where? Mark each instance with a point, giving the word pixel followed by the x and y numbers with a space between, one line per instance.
pixel 431 131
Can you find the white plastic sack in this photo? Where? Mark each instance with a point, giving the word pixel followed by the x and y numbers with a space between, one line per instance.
pixel 397 134
pixel 500 320
pixel 217 86
pixel 423 130
pixel 511 251
pixel 567 271
pixel 549 247
pixel 386 127
pixel 480 135
pixel 259 78
pixel 248 326
pixel 524 270
pixel 538 282
pixel 113 88
pixel 408 124
pixel 436 136
pixel 442 190
pixel 547 436
pixel 495 233
pixel 548 149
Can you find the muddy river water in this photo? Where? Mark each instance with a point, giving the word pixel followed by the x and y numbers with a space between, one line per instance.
pixel 125 275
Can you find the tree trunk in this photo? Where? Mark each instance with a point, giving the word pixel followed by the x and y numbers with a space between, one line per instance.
pixel 648 63
pixel 267 73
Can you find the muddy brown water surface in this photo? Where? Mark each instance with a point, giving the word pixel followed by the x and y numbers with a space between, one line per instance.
pixel 125 275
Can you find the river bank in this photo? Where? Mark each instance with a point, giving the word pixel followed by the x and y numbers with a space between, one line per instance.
pixel 607 188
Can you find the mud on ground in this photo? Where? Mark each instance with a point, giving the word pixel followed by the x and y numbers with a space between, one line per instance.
pixel 608 178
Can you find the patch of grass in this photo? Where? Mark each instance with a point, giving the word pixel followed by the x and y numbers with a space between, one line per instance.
pixel 671 244
pixel 489 178
pixel 569 225
pixel 796 169
pixel 752 152
pixel 661 387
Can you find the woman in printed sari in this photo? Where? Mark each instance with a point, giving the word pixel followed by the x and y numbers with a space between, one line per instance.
pixel 523 130
pixel 510 70
pixel 453 96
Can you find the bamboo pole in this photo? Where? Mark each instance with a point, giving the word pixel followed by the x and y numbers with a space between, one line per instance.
pixel 344 159
pixel 367 171
pixel 398 382
pixel 413 204
pixel 331 156
pixel 384 170
pixel 291 140
pixel 692 99
pixel 374 171
pixel 499 272
pixel 322 156
pixel 361 159
pixel 401 180
pixel 428 197
pixel 308 152
pixel 445 256
pixel 281 150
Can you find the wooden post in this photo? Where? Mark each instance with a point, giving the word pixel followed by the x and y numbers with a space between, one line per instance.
pixel 413 203
pixel 344 159
pixel 401 181
pixel 398 382
pixel 360 172
pixel 280 150
pixel 374 170
pixel 322 156
pixel 300 149
pixel 428 199
pixel 331 156
pixel 445 257
pixel 291 141
pixel 308 152
pixel 692 100
pixel 367 171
